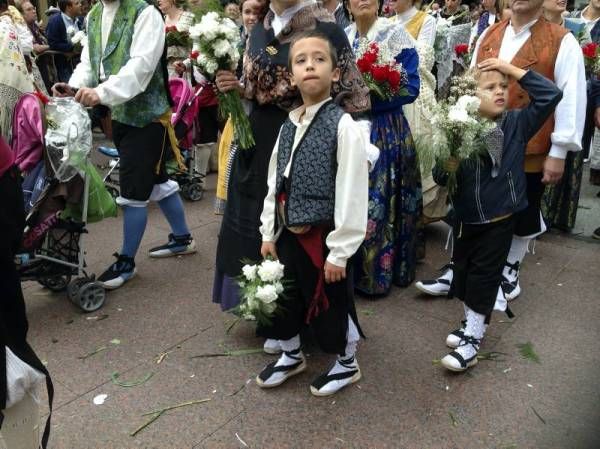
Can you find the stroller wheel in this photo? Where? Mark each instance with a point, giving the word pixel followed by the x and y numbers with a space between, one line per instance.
pixel 193 191
pixel 55 283
pixel 73 288
pixel 90 297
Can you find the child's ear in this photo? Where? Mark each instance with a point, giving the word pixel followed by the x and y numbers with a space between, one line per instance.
pixel 292 81
pixel 335 76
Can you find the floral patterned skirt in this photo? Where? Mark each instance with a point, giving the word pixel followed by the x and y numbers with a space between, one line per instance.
pixel 395 227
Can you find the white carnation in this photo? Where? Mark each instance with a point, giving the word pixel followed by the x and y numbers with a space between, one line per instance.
pixel 211 67
pixel 71 30
pixel 278 287
pixel 267 293
pixel 221 48
pixel 469 102
pixel 250 271
pixel 78 38
pixel 195 31
pixel 459 115
pixel 270 271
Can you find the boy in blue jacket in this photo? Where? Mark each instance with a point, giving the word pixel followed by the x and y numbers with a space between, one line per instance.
pixel 489 193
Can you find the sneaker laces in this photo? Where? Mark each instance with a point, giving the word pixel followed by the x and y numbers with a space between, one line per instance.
pixel 469 340
pixel 180 240
pixel 122 263
pixel 513 268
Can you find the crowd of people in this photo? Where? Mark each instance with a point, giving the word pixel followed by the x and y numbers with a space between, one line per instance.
pixel 333 186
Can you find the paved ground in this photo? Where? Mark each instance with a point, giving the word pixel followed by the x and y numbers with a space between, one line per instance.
pixel 405 400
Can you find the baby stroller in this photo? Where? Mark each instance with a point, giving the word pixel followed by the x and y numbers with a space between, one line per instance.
pixel 52 251
pixel 190 181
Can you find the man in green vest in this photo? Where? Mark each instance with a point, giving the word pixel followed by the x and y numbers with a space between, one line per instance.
pixel 121 67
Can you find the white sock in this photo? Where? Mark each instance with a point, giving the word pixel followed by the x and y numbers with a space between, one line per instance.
pixel 202 157
pixel 518 249
pixel 475 323
pixel 290 345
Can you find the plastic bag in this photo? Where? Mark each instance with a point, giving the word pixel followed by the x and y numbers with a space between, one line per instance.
pixel 101 204
pixel 68 137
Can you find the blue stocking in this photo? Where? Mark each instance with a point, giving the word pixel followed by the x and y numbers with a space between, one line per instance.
pixel 172 208
pixel 134 225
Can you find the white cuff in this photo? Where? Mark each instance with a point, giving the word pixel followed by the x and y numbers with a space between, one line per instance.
pixel 557 152
pixel 269 238
pixel 337 261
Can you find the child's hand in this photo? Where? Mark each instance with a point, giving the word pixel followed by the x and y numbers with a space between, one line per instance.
pixel 451 164
pixel 268 249
pixel 333 273
pixel 501 66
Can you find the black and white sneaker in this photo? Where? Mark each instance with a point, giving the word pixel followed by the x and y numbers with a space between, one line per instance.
pixel 342 373
pixel 272 346
pixel 464 356
pixel 511 287
pixel 176 246
pixel 439 286
pixel 454 338
pixel 118 273
pixel 275 373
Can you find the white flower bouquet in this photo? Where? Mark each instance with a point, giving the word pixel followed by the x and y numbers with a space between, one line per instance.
pixel 261 285
pixel 216 46
pixel 458 129
pixel 79 40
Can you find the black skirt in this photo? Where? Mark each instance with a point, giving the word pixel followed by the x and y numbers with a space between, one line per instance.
pixel 239 238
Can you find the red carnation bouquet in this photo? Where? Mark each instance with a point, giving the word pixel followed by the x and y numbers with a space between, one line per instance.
pixel 382 73
pixel 463 54
pixel 591 59
pixel 176 37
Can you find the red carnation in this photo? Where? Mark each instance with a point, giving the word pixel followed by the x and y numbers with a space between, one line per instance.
pixel 370 57
pixel 379 73
pixel 461 49
pixel 394 79
pixel 590 50
pixel 363 65
pixel 170 28
pixel 194 54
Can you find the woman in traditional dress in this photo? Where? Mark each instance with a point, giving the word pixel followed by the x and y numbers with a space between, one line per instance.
pixel 419 24
pixel 176 16
pixel 268 84
pixel 560 201
pixel 389 253
pixel 15 80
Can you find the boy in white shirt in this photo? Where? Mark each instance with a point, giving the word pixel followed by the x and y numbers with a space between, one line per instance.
pixel 314 219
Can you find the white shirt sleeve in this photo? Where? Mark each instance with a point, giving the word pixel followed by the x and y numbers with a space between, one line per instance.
pixel 351 194
pixel 427 33
pixel 267 216
pixel 82 75
pixel 476 50
pixel 146 50
pixel 569 116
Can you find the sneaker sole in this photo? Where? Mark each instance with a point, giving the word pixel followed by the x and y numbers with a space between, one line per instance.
pixel 108 286
pixel 430 292
pixel 460 369
pixel 292 373
pixel 168 253
pixel 353 379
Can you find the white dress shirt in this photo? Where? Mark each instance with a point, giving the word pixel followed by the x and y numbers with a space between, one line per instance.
pixel 569 76
pixel 427 32
pixel 145 52
pixel 280 21
pixel 351 186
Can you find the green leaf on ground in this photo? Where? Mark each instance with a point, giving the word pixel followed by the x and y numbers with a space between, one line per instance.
pixel 368 312
pixel 155 414
pixel 235 353
pixel 527 352
pixel 491 355
pixel 453 419
pixel 115 341
pixel 134 383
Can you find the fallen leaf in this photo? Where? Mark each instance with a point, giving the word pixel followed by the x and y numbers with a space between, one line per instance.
pixel 453 419
pixel 368 312
pixel 229 353
pixel 538 415
pixel 134 383
pixel 115 341
pixel 527 352
pixel 97 317
pixel 54 340
pixel 99 400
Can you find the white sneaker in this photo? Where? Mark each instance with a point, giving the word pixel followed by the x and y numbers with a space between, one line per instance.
pixel 276 373
pixel 464 356
pixel 272 346
pixel 510 281
pixel 342 374
pixel 453 339
pixel 439 286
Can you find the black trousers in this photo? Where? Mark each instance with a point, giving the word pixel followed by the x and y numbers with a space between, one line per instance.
pixel 528 221
pixel 330 327
pixel 480 251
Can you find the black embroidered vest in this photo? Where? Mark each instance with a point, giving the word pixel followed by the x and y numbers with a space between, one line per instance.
pixel 311 185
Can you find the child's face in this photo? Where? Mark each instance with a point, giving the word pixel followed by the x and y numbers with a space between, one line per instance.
pixel 312 69
pixel 492 90
pixel 250 13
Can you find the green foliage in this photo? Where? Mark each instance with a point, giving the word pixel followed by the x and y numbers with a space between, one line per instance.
pixel 527 352
pixel 207 6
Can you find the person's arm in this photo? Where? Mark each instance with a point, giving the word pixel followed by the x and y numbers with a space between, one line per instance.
pixel 427 33
pixel 57 35
pixel 82 75
pixel 267 216
pixel 351 194
pixel 476 49
pixel 145 53
pixel 569 76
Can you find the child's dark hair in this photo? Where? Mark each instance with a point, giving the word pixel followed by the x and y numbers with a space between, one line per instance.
pixel 317 35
